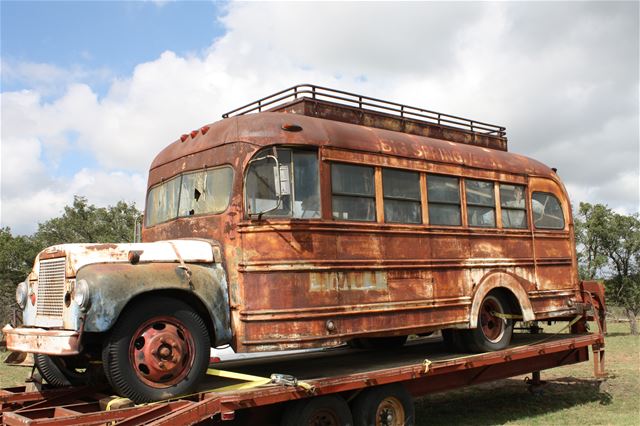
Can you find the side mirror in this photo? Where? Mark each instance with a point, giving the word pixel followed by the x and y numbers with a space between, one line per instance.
pixel 263 192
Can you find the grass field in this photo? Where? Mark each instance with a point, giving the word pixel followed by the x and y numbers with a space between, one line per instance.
pixel 571 396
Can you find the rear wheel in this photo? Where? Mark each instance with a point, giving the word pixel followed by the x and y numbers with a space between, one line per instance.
pixel 330 410
pixel 157 350
pixel 388 405
pixel 493 333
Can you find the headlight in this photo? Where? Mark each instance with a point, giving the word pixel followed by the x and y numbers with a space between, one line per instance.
pixel 81 294
pixel 22 291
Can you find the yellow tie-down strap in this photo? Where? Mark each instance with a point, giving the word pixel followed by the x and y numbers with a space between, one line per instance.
pixel 255 381
pixel 250 382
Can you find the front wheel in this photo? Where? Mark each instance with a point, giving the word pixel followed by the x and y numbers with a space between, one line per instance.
pixel 157 350
pixel 493 332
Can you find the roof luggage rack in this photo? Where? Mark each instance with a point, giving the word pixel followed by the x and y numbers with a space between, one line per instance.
pixel 337 105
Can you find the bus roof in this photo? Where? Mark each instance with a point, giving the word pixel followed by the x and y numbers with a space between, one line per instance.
pixel 267 128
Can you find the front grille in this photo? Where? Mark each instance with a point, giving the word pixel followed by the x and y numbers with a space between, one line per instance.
pixel 50 298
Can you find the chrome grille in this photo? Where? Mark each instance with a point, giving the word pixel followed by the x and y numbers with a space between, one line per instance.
pixel 50 298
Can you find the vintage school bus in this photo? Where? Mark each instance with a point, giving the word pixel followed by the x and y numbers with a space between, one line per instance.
pixel 309 218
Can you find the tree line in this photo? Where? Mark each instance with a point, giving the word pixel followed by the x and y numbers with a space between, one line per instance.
pixel 608 247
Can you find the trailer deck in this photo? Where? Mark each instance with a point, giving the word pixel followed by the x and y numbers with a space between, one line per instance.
pixel 422 366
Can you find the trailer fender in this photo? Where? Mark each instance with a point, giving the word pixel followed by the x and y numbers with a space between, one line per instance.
pixel 113 285
pixel 494 280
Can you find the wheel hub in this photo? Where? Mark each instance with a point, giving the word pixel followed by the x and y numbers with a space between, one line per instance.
pixel 492 326
pixel 162 352
pixel 390 412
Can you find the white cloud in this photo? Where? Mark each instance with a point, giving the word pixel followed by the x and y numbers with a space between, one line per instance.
pixel 563 78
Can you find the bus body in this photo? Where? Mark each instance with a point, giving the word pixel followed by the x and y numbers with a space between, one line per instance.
pixel 316 223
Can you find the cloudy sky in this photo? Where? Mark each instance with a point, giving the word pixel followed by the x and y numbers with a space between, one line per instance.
pixel 91 91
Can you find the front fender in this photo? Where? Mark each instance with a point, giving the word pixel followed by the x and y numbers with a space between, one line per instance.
pixel 113 285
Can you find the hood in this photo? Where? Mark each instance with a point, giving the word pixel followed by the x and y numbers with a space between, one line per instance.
pixel 79 255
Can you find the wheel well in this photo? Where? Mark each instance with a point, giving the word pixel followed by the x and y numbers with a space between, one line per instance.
pixel 187 297
pixel 512 300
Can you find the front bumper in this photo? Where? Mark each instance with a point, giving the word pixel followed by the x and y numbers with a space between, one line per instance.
pixel 42 341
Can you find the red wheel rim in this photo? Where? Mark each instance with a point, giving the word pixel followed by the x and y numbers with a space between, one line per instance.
pixel 162 352
pixel 492 326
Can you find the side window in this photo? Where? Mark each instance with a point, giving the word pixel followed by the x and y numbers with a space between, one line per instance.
pixel 401 191
pixel 547 211
pixel 298 189
pixel 514 211
pixel 353 192
pixel 205 192
pixel 481 203
pixel 444 200
pixel 162 202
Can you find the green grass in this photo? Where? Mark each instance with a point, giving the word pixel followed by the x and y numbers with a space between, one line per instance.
pixel 571 396
pixel 12 375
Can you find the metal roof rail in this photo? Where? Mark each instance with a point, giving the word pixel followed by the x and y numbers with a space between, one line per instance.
pixel 367 103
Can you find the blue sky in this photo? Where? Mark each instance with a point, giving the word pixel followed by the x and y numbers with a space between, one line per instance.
pixel 91 91
pixel 113 36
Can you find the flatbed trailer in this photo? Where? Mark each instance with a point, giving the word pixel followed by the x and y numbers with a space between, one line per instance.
pixel 248 391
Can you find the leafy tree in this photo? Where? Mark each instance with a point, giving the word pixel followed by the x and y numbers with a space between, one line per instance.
pixel 590 224
pixel 16 260
pixel 85 223
pixel 609 247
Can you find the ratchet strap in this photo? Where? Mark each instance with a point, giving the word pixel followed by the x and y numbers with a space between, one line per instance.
pixel 250 382
pixel 255 381
pixel 506 316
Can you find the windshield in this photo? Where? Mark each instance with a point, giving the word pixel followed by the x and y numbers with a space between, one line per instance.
pixel 189 194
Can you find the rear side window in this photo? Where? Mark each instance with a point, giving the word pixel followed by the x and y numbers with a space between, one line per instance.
pixel 547 211
pixel 444 200
pixel 353 192
pixel 514 211
pixel 481 203
pixel 401 191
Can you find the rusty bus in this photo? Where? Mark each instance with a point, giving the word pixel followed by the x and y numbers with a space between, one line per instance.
pixel 310 218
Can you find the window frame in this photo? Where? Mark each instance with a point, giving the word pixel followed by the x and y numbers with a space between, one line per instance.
pixel 352 195
pixel 525 209
pixel 564 219
pixel 419 201
pixel 494 207
pixel 459 204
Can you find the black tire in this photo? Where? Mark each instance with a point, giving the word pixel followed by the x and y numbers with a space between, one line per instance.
pixel 158 349
pixel 492 333
pixel 389 405
pixel 454 340
pixel 378 343
pixel 60 371
pixel 330 410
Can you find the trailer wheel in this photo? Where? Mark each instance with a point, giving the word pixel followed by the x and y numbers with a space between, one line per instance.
pixel 493 333
pixel 388 405
pixel 158 349
pixel 60 371
pixel 379 343
pixel 330 410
